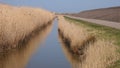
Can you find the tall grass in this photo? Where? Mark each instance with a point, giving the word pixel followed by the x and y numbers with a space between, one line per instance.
pixel 78 36
pixel 101 54
pixel 93 52
pixel 16 23
pixel 19 57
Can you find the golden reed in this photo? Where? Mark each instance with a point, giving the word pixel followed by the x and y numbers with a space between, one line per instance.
pixel 17 23
pixel 92 52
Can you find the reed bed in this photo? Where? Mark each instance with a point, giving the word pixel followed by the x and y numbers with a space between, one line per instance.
pixel 19 57
pixel 92 51
pixel 77 38
pixel 101 54
pixel 16 23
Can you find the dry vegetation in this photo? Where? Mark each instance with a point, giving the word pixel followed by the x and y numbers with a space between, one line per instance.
pixel 17 23
pixel 73 59
pixel 18 58
pixel 92 51
pixel 76 37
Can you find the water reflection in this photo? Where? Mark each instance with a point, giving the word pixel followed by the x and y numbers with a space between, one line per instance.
pixel 50 54
pixel 18 58
pixel 74 59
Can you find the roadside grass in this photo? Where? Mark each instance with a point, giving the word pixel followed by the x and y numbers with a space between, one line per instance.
pixel 102 32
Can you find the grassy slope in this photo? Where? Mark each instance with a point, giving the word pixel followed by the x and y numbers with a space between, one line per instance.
pixel 110 14
pixel 105 32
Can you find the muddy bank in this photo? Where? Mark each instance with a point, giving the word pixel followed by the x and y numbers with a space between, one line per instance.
pixel 18 24
pixel 19 57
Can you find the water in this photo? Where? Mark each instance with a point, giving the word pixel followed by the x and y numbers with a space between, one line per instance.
pixel 49 54
pixel 52 48
pixel 42 51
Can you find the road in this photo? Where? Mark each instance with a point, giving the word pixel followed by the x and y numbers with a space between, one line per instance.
pixel 100 22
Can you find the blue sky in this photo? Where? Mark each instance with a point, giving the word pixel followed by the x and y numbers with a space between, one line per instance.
pixel 65 5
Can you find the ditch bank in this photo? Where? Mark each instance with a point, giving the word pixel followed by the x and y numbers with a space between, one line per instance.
pixel 93 52
pixel 18 24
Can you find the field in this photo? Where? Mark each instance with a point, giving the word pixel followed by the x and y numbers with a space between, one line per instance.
pixel 94 45
pixel 17 24
pixel 110 14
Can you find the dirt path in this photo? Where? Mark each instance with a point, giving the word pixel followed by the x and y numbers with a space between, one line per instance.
pixel 101 22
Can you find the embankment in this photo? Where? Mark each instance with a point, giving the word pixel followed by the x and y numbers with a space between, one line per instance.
pixel 109 14
pixel 17 24
pixel 90 50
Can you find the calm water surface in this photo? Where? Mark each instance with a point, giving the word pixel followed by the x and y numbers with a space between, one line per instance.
pixel 42 51
pixel 50 53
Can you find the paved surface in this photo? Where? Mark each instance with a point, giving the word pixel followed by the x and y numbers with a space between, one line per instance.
pixel 101 22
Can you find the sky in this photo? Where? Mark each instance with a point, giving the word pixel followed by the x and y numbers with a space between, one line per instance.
pixel 70 6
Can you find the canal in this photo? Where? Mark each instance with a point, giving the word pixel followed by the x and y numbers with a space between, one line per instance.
pixel 49 54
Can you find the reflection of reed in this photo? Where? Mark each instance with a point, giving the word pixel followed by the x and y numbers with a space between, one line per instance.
pixel 18 58
pixel 73 59
pixel 83 49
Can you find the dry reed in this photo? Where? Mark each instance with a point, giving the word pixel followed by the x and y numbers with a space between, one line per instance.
pixel 18 22
pixel 101 54
pixel 18 58
pixel 98 54
pixel 77 36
